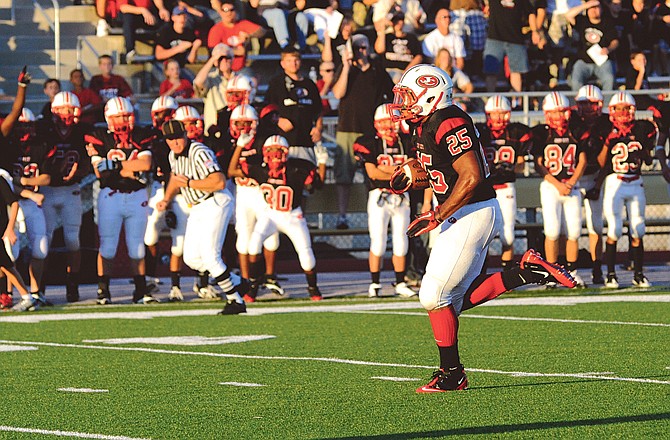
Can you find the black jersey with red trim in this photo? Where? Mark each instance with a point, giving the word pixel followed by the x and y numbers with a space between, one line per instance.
pixel 26 158
pixel 251 154
pixel 503 151
pixel 591 137
pixel 440 140
pixel 66 162
pixel 370 148
pixel 285 192
pixel 111 146
pixel 559 152
pixel 628 149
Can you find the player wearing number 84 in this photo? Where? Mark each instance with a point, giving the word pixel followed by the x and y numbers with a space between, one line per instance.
pixel 467 217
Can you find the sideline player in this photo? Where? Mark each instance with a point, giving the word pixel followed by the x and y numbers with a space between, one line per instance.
pixel 630 144
pixel 590 127
pixel 561 163
pixel 196 175
pixel 282 181
pixel 505 145
pixel 121 157
pixel 467 215
pixel 380 153
pixel 66 163
pixel 162 110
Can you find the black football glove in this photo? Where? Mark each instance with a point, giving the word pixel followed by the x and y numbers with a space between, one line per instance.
pixel 24 77
pixel 592 194
pixel 171 219
pixel 399 182
pixel 423 223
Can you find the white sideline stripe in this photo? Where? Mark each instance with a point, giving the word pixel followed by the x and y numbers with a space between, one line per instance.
pixel 82 390
pixel 242 384
pixel 184 340
pixel 68 433
pixel 396 379
pixel 331 360
pixel 4 348
pixel 258 310
pixel 525 318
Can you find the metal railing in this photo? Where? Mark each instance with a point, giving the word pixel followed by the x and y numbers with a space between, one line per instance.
pixel 82 43
pixel 54 26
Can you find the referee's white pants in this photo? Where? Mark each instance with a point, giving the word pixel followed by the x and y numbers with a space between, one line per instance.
pixel 205 232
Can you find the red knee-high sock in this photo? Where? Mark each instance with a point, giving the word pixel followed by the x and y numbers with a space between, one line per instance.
pixel 445 326
pixel 483 289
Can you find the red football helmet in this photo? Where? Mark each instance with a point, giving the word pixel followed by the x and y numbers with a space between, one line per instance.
pixel 120 115
pixel 25 126
pixel 622 109
pixel 275 154
pixel 589 101
pixel 386 127
pixel 239 90
pixel 66 108
pixel 556 109
pixel 498 113
pixel 162 110
pixel 192 120
pixel 243 120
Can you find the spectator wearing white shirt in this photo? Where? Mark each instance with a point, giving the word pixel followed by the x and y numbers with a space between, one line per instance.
pixel 415 16
pixel 441 38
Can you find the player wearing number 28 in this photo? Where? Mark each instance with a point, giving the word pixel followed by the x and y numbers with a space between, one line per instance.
pixel 467 216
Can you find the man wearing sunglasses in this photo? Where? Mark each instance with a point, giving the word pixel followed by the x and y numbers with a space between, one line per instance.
pixel 234 33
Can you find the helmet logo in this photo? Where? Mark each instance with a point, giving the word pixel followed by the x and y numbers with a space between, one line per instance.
pixel 428 81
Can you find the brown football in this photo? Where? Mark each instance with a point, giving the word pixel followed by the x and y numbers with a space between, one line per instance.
pixel 417 174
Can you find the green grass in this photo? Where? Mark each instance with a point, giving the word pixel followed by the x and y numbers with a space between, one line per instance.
pixel 178 396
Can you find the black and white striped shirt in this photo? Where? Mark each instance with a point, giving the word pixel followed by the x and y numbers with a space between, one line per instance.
pixel 199 163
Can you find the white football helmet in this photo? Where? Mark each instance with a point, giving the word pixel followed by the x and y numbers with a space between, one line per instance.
pixel 589 101
pixel 275 153
pixel 25 126
pixel 66 108
pixel 421 90
pixel 192 120
pixel 556 109
pixel 387 128
pixel 239 90
pixel 243 120
pixel 622 109
pixel 27 115
pixel 498 112
pixel 119 115
pixel 162 110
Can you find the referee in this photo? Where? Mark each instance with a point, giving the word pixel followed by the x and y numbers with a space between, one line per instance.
pixel 197 175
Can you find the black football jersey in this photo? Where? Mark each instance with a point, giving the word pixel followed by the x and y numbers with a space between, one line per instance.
pixel 440 140
pixel 66 161
pixel 626 151
pixel 591 137
pixel 503 152
pixel 371 148
pixel 27 157
pixel 559 153
pixel 110 146
pixel 284 193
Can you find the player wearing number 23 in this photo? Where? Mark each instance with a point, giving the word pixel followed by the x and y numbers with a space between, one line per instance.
pixel 467 216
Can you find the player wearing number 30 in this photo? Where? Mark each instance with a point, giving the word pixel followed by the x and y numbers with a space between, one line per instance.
pixel 196 175
pixel 630 144
pixel 467 217
pixel 560 160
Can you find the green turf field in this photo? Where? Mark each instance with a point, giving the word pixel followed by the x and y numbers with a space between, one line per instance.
pixel 594 370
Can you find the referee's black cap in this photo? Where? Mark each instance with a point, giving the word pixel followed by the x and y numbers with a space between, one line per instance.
pixel 173 129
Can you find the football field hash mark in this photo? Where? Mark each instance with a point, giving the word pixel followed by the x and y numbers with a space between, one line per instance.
pixel 184 340
pixel 82 390
pixel 242 384
pixel 16 348
pixel 334 360
pixel 396 379
pixel 59 433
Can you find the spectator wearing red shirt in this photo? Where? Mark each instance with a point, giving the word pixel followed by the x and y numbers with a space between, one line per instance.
pixel 233 33
pixel 91 104
pixel 107 84
pixel 173 85
pixel 139 13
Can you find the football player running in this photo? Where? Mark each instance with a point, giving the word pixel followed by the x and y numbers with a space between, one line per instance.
pixel 590 127
pixel 162 110
pixel 67 163
pixel 467 216
pixel 505 145
pixel 282 181
pixel 121 157
pixel 380 153
pixel 249 200
pixel 561 162
pixel 630 144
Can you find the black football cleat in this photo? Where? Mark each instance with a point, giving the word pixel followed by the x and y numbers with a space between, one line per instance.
pixel 453 379
pixel 233 308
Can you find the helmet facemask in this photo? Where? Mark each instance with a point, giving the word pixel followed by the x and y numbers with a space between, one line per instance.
pixel 387 129
pixel 158 118
pixel 235 97
pixel 622 116
pixel 194 129
pixel 275 156
pixel 558 119
pixel 497 121
pixel 404 104
pixel 589 110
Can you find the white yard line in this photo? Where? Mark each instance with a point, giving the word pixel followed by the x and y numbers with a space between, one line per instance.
pixel 58 433
pixel 333 360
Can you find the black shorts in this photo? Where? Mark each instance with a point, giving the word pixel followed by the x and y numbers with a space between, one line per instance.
pixel 5 261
